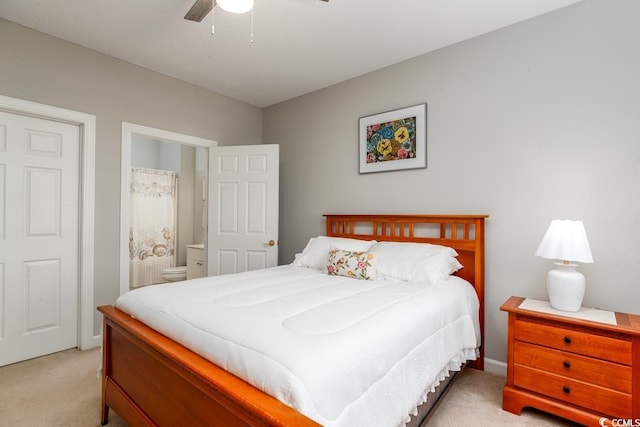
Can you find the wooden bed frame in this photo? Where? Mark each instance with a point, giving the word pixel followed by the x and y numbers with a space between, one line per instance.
pixel 149 379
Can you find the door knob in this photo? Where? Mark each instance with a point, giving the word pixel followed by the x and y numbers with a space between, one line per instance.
pixel 271 243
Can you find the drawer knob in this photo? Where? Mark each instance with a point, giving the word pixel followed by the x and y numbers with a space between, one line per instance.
pixel 567 340
pixel 566 390
pixel 566 364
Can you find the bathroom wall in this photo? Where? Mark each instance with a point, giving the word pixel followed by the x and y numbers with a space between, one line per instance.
pixel 200 196
pixel 186 181
pixel 153 154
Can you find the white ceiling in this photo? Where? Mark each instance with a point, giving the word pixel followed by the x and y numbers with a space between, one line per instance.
pixel 299 45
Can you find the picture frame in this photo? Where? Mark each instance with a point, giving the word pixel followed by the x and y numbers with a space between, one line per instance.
pixel 394 140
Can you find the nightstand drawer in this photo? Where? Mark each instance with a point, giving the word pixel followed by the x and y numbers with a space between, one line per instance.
pixel 594 371
pixel 588 343
pixel 598 399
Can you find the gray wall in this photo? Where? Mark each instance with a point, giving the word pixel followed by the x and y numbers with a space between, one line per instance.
pixel 529 123
pixel 40 68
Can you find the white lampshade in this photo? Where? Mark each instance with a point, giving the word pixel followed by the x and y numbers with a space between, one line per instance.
pixel 567 241
pixel 235 6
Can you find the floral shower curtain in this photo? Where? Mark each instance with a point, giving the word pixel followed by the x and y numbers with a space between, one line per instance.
pixel 152 236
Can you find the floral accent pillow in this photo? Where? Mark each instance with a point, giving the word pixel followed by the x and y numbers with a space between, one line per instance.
pixel 357 265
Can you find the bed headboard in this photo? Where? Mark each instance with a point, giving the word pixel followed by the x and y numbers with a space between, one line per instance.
pixel 464 233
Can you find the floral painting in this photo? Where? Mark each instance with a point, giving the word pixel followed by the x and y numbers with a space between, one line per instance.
pixel 393 140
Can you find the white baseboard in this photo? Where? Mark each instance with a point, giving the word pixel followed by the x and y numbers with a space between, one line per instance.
pixel 495 367
pixel 96 341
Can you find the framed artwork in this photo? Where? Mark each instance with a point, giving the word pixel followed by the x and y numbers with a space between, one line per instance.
pixel 394 140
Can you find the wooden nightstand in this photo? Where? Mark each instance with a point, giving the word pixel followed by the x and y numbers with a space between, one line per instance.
pixel 581 366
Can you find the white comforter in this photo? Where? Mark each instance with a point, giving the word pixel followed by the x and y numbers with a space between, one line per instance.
pixel 342 351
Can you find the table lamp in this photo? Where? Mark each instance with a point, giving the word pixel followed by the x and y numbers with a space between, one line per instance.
pixel 565 240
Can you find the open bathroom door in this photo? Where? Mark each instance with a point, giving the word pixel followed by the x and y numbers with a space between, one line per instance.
pixel 243 208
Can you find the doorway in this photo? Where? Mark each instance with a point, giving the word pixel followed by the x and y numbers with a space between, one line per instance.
pixel 140 146
pixel 168 210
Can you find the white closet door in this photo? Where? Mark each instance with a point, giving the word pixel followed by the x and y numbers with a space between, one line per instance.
pixel 39 196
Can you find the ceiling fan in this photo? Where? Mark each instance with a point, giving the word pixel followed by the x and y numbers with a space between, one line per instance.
pixel 201 8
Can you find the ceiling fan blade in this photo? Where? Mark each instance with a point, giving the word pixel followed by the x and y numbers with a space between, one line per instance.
pixel 199 10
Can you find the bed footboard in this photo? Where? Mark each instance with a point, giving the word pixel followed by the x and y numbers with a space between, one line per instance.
pixel 151 380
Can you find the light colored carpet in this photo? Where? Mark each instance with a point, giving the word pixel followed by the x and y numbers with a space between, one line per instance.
pixel 63 389
pixel 475 399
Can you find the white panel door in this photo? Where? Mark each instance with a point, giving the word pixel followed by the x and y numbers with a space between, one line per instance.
pixel 243 208
pixel 39 191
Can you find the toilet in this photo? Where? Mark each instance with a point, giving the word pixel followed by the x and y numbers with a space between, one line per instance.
pixel 175 274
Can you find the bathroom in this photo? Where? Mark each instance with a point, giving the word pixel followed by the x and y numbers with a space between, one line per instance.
pixel 168 211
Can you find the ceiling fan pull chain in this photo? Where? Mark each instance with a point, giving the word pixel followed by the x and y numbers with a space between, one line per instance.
pixel 212 23
pixel 251 39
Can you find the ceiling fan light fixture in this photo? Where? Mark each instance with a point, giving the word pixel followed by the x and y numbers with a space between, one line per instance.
pixel 235 6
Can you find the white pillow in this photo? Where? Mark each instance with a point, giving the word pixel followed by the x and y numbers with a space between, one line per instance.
pixel 316 253
pixel 415 262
